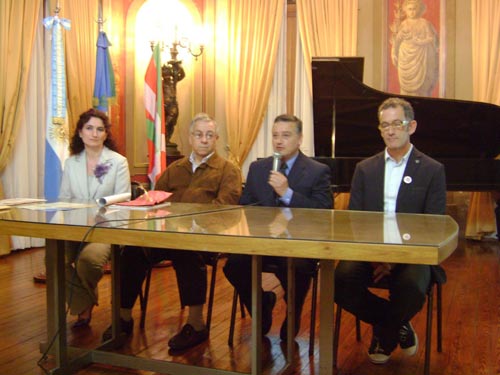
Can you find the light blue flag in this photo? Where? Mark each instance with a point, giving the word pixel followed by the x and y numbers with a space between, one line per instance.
pixel 104 85
pixel 56 138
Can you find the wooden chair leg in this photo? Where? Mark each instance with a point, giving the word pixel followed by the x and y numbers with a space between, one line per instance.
pixel 312 328
pixel 211 294
pixel 439 319
pixel 143 298
pixel 336 335
pixel 233 318
pixel 242 309
pixel 428 332
pixel 358 330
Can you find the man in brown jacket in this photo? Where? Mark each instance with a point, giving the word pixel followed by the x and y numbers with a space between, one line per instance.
pixel 202 177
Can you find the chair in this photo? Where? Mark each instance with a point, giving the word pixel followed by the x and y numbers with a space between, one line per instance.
pixel 428 330
pixel 211 259
pixel 312 327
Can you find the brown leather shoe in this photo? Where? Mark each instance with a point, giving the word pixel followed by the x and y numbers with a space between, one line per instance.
pixel 187 338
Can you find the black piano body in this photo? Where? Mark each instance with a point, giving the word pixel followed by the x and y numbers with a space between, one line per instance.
pixel 463 135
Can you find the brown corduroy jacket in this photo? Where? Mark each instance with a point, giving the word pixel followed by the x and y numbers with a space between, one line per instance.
pixel 216 181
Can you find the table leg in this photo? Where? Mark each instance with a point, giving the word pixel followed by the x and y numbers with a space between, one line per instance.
pixel 256 315
pixel 56 301
pixel 326 283
pixel 290 311
pixel 115 290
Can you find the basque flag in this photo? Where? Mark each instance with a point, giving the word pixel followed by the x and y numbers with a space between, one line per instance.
pixel 155 118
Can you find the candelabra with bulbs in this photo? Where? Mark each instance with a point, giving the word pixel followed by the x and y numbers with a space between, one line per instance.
pixel 172 73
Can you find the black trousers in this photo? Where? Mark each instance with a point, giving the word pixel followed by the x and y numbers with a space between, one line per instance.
pixel 408 284
pixel 190 269
pixel 238 271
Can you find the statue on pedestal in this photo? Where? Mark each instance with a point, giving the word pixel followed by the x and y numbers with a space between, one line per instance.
pixel 172 72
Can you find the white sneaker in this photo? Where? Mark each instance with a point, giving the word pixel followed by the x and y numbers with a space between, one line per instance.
pixel 408 340
pixel 377 353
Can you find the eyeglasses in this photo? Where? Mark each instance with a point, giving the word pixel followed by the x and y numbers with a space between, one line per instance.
pixel 200 135
pixel 396 125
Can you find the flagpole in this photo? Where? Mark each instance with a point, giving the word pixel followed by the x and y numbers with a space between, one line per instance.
pixel 100 20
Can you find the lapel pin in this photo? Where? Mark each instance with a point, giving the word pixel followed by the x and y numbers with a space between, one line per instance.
pixel 407 180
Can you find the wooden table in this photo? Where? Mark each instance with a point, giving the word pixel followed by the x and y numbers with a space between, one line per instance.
pixel 327 235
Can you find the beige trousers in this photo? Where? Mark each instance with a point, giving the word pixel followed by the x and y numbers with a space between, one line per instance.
pixel 83 272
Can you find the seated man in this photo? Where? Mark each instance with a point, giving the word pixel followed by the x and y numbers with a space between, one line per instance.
pixel 203 177
pixel 399 179
pixel 301 182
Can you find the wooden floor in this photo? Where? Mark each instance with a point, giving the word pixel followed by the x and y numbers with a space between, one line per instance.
pixel 471 312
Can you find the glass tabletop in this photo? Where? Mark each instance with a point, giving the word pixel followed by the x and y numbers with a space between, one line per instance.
pixel 253 221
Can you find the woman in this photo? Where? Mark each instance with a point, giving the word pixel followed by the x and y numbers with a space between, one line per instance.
pixel 93 170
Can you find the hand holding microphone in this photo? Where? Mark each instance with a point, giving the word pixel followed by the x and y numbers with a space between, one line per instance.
pixel 276 161
pixel 277 180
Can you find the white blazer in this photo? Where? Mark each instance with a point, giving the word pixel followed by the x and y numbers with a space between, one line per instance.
pixel 77 184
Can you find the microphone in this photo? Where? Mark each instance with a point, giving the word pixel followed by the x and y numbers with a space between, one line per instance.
pixel 276 161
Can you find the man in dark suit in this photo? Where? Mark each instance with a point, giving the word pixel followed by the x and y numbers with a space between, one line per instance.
pixel 399 179
pixel 301 182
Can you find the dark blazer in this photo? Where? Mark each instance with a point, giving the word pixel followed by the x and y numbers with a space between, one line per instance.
pixel 422 191
pixel 309 180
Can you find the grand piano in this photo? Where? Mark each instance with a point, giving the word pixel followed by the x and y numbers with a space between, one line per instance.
pixel 463 135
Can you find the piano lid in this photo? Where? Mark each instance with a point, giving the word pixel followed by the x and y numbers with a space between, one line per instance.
pixel 445 128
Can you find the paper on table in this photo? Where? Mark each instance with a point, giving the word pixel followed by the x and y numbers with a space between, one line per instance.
pixel 19 201
pixel 110 199
pixel 55 206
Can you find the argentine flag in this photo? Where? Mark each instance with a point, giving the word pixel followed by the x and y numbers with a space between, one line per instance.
pixel 56 134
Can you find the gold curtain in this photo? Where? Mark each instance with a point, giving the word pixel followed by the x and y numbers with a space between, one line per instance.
pixel 486 88
pixel 17 33
pixel 327 28
pixel 80 44
pixel 253 35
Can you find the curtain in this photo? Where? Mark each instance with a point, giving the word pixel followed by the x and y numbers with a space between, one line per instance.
pixel 18 21
pixel 253 35
pixel 486 88
pixel 80 47
pixel 29 152
pixel 327 28
pixel 276 105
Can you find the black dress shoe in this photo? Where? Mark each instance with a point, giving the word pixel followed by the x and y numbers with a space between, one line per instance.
pixel 81 322
pixel 187 338
pixel 283 330
pixel 268 302
pixel 126 328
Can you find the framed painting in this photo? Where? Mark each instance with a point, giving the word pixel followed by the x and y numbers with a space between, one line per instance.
pixel 416 47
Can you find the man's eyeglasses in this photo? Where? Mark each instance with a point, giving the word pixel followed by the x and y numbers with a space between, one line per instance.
pixel 200 135
pixel 396 125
